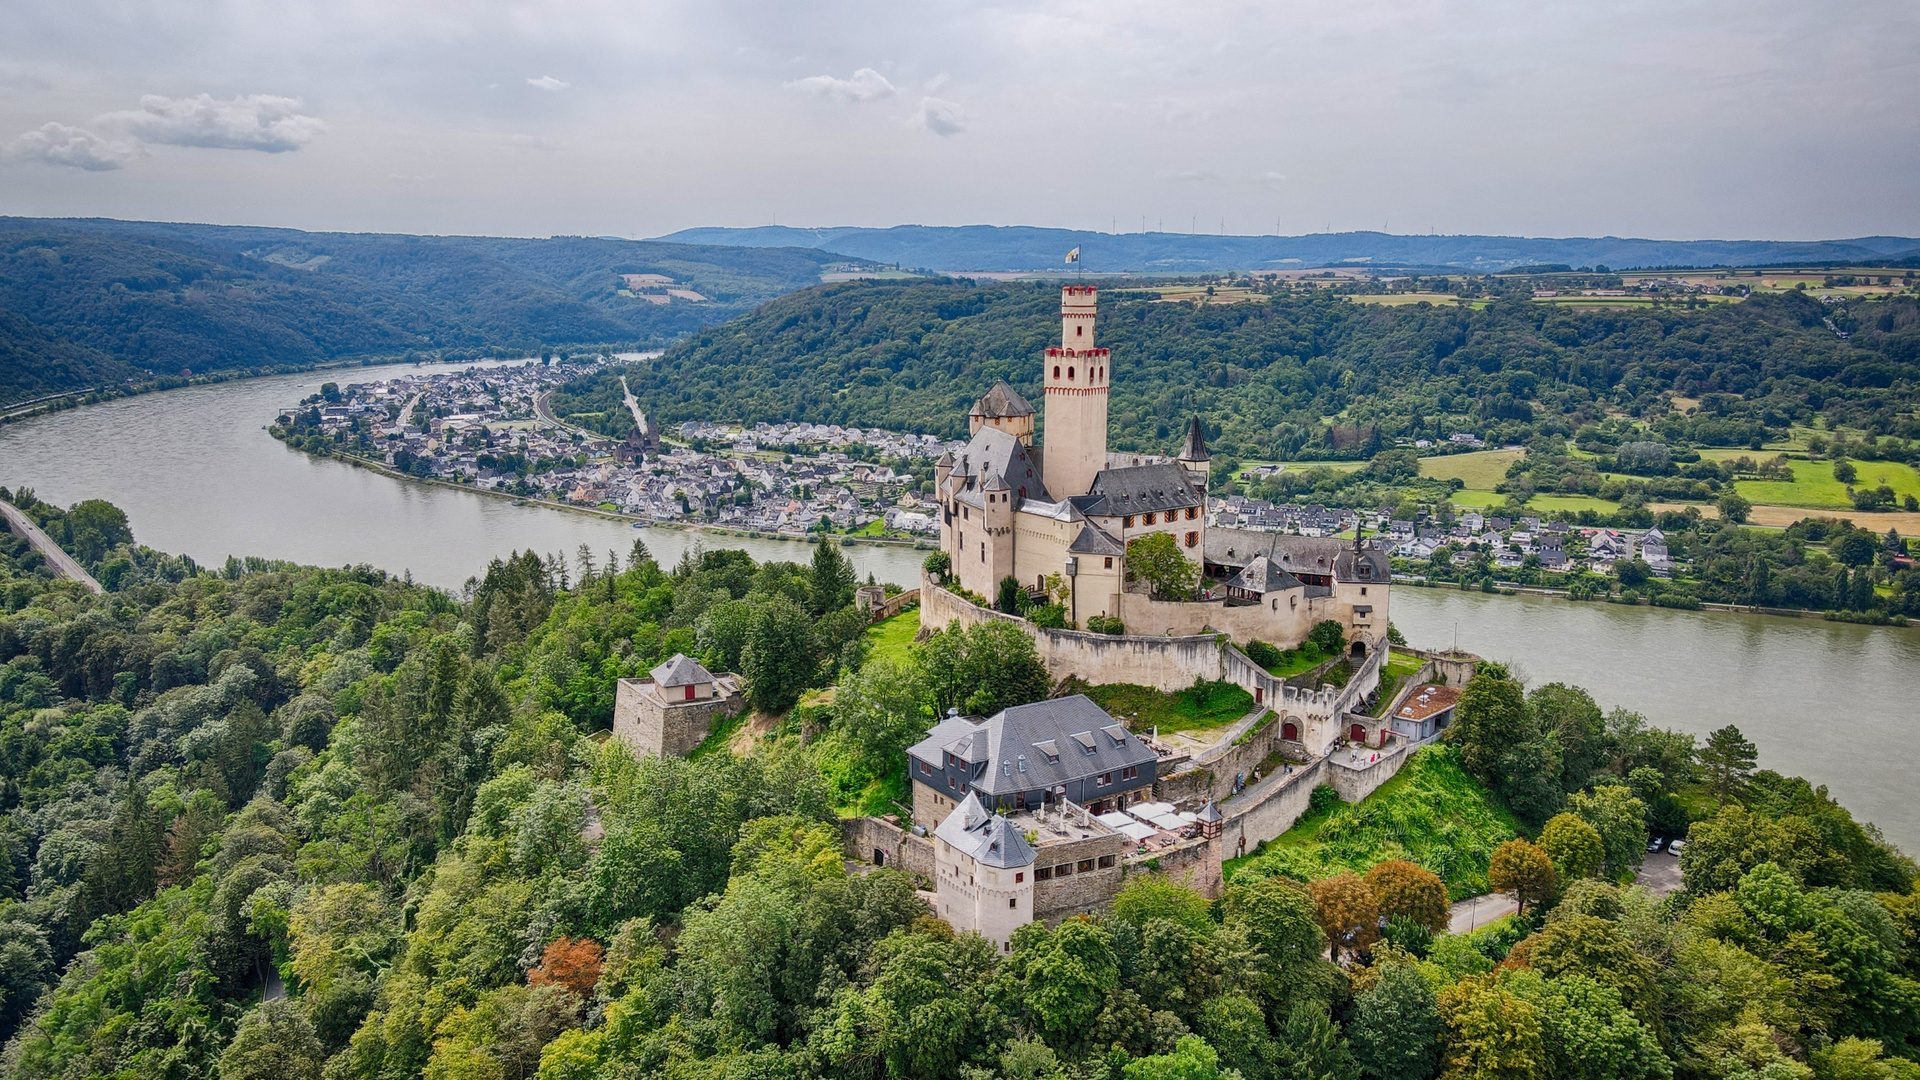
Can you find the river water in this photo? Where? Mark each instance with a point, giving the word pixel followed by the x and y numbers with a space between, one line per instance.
pixel 197 473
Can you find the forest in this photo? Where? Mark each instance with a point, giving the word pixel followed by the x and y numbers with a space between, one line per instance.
pixel 1297 374
pixel 269 821
pixel 95 303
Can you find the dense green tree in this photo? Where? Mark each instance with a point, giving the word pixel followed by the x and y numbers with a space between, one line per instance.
pixel 829 579
pixel 1062 978
pixel 1396 1026
pixel 1490 1033
pixel 1588 1032
pixel 1620 819
pixel 1491 717
pixel 1524 870
pixel 1574 847
pixel 1157 561
pixel 273 1042
pixel 1579 730
pixel 1311 1047
pixel 778 658
pixel 1728 759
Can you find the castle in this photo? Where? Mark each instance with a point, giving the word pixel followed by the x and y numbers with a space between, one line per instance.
pixel 1067 509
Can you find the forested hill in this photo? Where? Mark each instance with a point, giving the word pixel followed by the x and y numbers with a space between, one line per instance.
pixel 1298 373
pixel 960 249
pixel 284 823
pixel 96 302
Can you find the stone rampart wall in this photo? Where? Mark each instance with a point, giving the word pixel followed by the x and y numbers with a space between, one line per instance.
pixel 1355 784
pixel 896 604
pixel 862 837
pixel 1085 892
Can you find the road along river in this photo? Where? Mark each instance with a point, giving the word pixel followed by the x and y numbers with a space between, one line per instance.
pixel 197 473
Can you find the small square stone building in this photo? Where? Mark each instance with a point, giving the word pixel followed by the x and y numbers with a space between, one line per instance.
pixel 672 710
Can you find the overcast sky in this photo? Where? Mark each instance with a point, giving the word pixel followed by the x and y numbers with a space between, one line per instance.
pixel 1744 119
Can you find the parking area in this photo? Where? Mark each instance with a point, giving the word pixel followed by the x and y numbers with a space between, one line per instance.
pixel 1660 874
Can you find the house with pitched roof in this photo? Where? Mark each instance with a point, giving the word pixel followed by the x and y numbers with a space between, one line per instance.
pixel 1029 756
pixel 672 710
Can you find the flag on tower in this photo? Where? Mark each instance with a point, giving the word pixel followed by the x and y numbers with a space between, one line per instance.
pixel 1074 255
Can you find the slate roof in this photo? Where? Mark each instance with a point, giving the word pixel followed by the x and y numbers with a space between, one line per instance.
pixel 1196 447
pixel 994 453
pixel 1095 541
pixel 1299 554
pixel 1001 400
pixel 1140 489
pixel 1263 576
pixel 1010 745
pixel 988 839
pixel 681 670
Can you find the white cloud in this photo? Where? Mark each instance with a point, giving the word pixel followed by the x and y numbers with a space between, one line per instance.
pixel 548 83
pixel 866 85
pixel 77 148
pixel 255 122
pixel 941 117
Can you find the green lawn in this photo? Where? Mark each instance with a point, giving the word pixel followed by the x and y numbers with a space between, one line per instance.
pixel 1813 485
pixel 1303 466
pixel 1398 667
pixel 1476 500
pixel 892 639
pixel 1196 708
pixel 1481 470
pixel 1432 814
pixel 1295 661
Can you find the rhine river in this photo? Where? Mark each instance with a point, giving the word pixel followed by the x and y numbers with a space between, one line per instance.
pixel 197 473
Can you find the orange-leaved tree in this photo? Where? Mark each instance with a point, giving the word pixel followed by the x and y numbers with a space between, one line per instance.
pixel 1520 868
pixel 1348 912
pixel 1405 890
pixel 570 962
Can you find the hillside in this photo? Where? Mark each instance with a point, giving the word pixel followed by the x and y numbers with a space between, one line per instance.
pixel 1296 374
pixel 998 248
pixel 131 297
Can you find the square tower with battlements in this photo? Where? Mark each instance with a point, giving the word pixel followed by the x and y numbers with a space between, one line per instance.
pixel 1076 381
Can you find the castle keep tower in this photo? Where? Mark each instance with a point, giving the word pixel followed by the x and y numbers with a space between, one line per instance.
pixel 1076 386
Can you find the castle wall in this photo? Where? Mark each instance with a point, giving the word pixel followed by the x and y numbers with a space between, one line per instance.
pixel 864 837
pixel 1085 891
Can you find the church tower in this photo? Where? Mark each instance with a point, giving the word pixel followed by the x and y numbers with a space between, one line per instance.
pixel 1076 387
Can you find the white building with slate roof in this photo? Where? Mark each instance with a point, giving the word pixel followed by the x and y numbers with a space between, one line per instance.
pixel 983 873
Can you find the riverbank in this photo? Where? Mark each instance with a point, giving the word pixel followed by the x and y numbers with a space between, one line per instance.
pixel 1514 588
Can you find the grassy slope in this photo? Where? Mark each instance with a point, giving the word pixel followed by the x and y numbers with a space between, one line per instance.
pixel 1481 470
pixel 1193 709
pixel 1814 486
pixel 1432 814
pixel 892 638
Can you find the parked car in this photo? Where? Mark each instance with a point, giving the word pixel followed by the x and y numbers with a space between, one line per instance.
pixel 1676 847
pixel 1656 844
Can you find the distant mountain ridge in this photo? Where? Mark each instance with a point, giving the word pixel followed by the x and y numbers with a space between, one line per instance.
pixel 989 248
pixel 94 302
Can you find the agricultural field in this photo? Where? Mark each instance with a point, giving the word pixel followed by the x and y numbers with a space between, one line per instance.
pixel 1432 814
pixel 1402 299
pixel 1482 470
pixel 1471 499
pixel 1814 487
pixel 1301 466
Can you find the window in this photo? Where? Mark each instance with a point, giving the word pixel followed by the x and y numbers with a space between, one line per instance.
pixel 1056 371
pixel 1363 590
pixel 926 769
pixel 1043 873
pixel 1011 902
pixel 689 693
pixel 1129 521
pixel 1065 869
pixel 952 784
pixel 1193 539
pixel 1085 866
pixel 1148 520
pixel 983 551
pixel 1109 562
pixel 1019 876
pixel 1079 330
pixel 1069 373
pixel 1130 772
pixel 1106 862
pixel 1105 779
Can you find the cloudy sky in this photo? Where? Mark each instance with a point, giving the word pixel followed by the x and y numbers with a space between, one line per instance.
pixel 1751 118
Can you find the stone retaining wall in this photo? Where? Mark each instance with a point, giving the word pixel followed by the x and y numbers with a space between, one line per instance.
pixel 862 838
